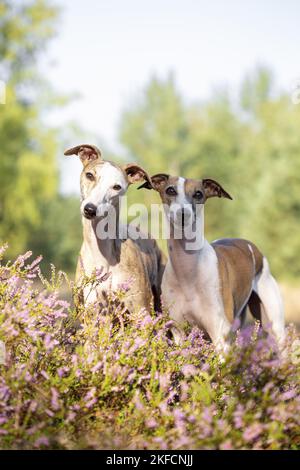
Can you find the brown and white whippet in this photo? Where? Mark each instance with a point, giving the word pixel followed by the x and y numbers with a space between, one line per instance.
pixel 102 183
pixel 212 284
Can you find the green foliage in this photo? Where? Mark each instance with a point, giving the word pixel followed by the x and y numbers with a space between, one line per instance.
pixel 58 236
pixel 28 169
pixel 156 130
pixel 32 213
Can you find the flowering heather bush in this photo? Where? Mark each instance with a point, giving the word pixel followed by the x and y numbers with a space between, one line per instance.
pixel 98 378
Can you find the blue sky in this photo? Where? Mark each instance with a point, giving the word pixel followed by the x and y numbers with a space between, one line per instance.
pixel 107 50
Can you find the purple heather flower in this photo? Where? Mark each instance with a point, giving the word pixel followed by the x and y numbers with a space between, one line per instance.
pixel 288 395
pixel 189 370
pixel 126 285
pixel 44 374
pixel 178 415
pixel 96 367
pixel 42 441
pixel 252 432
pixel 91 402
pixel 54 399
pixel 151 423
pixel 226 445
pixel 62 371
pixel 49 342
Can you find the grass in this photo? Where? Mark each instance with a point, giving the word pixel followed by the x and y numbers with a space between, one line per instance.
pixel 75 378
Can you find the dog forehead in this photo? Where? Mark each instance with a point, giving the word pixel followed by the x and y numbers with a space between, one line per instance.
pixel 184 185
pixel 111 171
pixel 106 169
pixel 192 185
pixel 173 181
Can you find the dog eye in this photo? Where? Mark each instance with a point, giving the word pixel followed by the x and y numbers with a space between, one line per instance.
pixel 117 187
pixel 171 191
pixel 198 195
pixel 89 176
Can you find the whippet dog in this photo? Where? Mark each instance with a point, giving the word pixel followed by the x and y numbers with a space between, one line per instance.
pixel 102 183
pixel 212 284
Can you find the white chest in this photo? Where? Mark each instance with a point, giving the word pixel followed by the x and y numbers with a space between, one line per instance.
pixel 191 287
pixel 92 260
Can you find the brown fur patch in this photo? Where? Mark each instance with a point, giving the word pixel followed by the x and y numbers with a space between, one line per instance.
pixel 237 269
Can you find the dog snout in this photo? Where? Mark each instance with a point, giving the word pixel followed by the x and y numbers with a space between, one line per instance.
pixel 90 210
pixel 183 215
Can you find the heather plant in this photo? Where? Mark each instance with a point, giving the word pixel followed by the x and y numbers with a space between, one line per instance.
pixel 96 377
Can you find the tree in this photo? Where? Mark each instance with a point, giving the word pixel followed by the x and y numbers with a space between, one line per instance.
pixel 28 166
pixel 154 129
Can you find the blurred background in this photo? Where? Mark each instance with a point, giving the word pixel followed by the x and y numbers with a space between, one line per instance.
pixel 196 88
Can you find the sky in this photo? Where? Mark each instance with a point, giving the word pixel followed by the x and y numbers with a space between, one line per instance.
pixel 107 50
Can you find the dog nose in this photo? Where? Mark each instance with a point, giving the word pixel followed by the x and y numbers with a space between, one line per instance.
pixel 90 210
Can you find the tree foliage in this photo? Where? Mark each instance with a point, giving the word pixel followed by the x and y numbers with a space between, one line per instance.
pixel 28 168
pixel 31 210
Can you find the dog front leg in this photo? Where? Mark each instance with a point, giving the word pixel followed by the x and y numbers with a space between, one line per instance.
pixel 218 329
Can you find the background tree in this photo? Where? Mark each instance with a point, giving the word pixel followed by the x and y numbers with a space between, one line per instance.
pixel 31 210
pixel 28 169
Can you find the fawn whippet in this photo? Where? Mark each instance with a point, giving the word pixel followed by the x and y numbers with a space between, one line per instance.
pixel 212 284
pixel 102 184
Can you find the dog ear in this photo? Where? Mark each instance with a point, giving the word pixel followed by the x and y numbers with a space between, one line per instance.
pixel 157 181
pixel 136 173
pixel 213 189
pixel 86 152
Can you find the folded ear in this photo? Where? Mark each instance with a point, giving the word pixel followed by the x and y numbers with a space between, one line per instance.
pixel 136 173
pixel 157 181
pixel 86 152
pixel 213 189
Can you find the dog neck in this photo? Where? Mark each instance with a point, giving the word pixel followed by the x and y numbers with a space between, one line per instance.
pixel 105 251
pixel 185 252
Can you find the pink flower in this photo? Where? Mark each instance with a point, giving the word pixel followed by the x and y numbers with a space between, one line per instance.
pixel 42 441
pixel 288 395
pixel 252 432
pixel 226 445
pixel 50 343
pixel 71 416
pixel 125 286
pixel 62 371
pixel 138 404
pixel 189 370
pixel 54 399
pixel 151 423
pixel 91 402
pixel 96 367
pixel 44 374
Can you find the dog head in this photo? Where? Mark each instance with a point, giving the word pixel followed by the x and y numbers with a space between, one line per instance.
pixel 182 196
pixel 103 182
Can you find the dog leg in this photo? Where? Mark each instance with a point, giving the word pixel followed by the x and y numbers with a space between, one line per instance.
pixel 178 335
pixel 272 307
